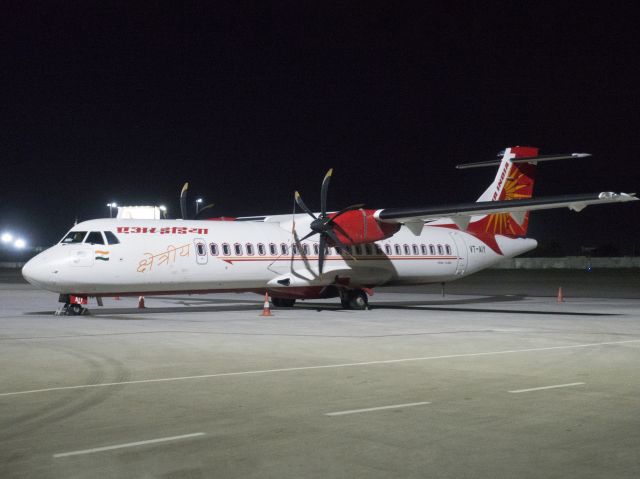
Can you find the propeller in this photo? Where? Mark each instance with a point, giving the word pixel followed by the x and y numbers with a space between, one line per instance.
pixel 324 225
pixel 183 202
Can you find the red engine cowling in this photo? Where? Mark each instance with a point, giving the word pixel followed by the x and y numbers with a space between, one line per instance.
pixel 359 226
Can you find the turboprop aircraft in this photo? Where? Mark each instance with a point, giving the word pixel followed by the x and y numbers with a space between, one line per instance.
pixel 308 255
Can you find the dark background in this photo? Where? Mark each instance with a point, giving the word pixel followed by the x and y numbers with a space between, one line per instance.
pixel 248 101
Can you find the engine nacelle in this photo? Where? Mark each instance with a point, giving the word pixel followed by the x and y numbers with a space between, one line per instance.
pixel 359 227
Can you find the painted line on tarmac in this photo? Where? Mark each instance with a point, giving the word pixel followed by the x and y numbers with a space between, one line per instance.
pixel 325 366
pixel 128 444
pixel 518 391
pixel 379 408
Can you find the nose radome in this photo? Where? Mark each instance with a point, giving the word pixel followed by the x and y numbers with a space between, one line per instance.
pixel 34 271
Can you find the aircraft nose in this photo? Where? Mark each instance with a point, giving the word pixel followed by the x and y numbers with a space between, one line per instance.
pixel 35 271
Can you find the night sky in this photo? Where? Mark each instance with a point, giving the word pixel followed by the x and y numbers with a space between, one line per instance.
pixel 105 101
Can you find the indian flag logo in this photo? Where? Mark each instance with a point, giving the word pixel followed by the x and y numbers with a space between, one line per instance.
pixel 102 255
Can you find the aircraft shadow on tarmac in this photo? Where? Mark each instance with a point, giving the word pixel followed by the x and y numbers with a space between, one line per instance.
pixel 207 305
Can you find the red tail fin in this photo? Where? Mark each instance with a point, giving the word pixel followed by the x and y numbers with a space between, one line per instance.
pixel 514 181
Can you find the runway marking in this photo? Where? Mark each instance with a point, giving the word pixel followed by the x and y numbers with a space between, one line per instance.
pixel 325 366
pixel 517 391
pixel 379 408
pixel 128 444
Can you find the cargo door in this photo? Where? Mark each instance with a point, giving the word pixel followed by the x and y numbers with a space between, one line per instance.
pixel 461 253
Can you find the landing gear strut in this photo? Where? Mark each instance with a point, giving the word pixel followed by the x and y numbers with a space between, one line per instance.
pixel 354 299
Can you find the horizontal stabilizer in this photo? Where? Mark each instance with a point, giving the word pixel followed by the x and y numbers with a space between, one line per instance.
pixel 530 159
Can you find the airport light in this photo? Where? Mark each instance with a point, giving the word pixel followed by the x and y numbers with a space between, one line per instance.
pixel 163 208
pixel 19 243
pixel 7 237
pixel 111 206
pixel 198 201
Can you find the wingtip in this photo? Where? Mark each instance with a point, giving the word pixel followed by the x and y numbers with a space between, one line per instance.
pixel 329 173
pixel 185 187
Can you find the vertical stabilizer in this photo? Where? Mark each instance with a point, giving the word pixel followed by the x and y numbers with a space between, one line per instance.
pixel 513 181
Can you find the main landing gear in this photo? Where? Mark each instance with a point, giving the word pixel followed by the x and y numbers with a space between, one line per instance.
pixel 354 299
pixel 283 302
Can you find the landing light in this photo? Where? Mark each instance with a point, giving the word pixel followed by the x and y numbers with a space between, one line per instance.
pixel 7 237
pixel 19 243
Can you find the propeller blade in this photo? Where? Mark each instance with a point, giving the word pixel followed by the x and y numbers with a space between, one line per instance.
pixel 321 254
pixel 183 201
pixel 210 205
pixel 308 235
pixel 344 210
pixel 303 206
pixel 336 241
pixel 323 192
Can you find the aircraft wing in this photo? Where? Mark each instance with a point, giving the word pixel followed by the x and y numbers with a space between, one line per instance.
pixel 461 213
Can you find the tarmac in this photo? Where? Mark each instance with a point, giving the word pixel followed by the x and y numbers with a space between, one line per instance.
pixel 494 380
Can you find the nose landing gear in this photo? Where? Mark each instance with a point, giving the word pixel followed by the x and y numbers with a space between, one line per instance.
pixel 72 306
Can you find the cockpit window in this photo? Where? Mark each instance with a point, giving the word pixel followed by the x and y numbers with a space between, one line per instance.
pixel 95 237
pixel 74 237
pixel 111 238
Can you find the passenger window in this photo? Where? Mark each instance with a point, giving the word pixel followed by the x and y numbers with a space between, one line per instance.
pixel 249 248
pixel 305 249
pixel 448 249
pixel 423 248
pixel 371 248
pixel 415 249
pixel 440 251
pixel 272 249
pixel 95 237
pixel 213 248
pixel 316 248
pixel 359 249
pixel 294 249
pixel 226 249
pixel 432 249
pixel 261 250
pixel 407 251
pixel 284 249
pixel 111 238
pixel 200 249
pixel 378 249
pixel 398 249
pixel 74 237
pixel 387 248
pixel 238 249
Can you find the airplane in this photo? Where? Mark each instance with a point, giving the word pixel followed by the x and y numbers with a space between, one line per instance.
pixel 308 255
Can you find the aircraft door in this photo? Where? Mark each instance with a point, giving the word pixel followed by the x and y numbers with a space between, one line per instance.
pixel 461 252
pixel 201 250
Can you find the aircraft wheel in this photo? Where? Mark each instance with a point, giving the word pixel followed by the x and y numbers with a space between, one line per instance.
pixel 359 300
pixel 75 310
pixel 283 302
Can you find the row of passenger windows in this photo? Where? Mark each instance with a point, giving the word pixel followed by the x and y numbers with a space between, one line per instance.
pixel 92 237
pixel 238 249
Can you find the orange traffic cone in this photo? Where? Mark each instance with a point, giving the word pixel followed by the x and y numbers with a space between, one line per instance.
pixel 141 302
pixel 266 311
pixel 560 295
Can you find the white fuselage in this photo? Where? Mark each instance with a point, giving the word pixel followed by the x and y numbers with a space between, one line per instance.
pixel 167 256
